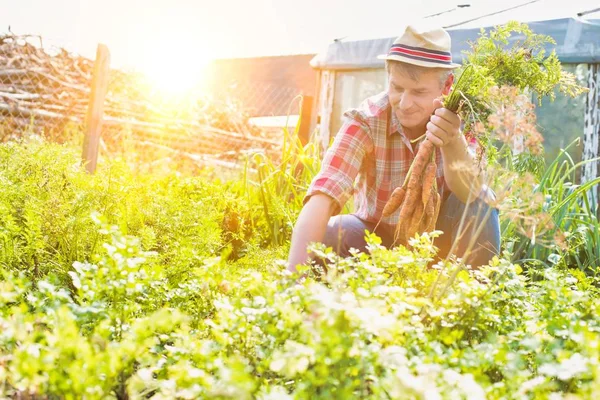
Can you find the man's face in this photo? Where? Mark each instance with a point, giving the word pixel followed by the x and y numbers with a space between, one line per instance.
pixel 412 100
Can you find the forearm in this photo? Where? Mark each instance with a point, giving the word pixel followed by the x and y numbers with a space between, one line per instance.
pixel 462 175
pixel 310 227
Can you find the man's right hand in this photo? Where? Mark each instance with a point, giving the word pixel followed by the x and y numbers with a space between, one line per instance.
pixel 310 227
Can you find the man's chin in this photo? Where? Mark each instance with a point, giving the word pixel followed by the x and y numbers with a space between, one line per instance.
pixel 410 123
pixel 408 120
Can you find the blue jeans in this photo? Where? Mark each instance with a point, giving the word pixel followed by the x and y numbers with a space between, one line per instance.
pixel 348 231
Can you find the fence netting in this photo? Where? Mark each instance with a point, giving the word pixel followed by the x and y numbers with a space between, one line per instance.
pixel 44 91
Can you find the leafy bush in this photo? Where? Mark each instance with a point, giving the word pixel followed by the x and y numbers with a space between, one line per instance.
pixel 124 286
pixel 368 330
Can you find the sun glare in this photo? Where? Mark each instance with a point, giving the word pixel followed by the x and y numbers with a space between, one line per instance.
pixel 175 68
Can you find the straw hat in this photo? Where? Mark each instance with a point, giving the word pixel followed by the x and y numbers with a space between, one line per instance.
pixel 426 47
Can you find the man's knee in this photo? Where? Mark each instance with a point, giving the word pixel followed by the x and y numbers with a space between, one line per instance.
pixel 487 244
pixel 345 232
pixel 480 219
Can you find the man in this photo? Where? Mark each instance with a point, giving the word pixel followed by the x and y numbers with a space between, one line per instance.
pixel 374 148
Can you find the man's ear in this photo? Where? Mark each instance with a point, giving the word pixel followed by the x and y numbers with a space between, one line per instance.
pixel 448 84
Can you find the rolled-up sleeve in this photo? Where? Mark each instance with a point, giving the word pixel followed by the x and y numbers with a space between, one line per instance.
pixel 342 163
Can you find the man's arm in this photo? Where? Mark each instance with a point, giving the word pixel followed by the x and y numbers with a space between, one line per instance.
pixel 332 186
pixel 460 172
pixel 310 227
pixel 462 177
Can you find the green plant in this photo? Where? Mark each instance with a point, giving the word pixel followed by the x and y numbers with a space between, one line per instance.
pixel 279 188
pixel 492 62
pixel 572 238
pixel 495 70
pixel 155 307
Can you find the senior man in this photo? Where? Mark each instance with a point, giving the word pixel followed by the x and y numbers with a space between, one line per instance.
pixel 372 152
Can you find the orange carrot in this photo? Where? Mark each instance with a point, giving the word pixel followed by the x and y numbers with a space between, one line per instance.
pixel 401 229
pixel 413 195
pixel 429 212
pixel 428 181
pixel 415 221
pixel 422 158
pixel 414 188
pixel 438 200
pixel 395 201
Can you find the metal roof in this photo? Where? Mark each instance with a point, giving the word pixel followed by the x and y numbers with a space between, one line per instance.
pixel 577 41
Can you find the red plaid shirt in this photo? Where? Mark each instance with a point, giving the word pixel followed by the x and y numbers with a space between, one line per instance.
pixel 369 158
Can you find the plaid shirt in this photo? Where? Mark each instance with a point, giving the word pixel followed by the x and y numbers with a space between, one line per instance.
pixel 370 149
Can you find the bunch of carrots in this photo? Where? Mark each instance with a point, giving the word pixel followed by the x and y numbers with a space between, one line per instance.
pixel 418 196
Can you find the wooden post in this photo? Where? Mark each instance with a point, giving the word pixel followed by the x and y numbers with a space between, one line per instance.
pixel 326 95
pixel 591 134
pixel 314 113
pixel 93 121
pixel 305 114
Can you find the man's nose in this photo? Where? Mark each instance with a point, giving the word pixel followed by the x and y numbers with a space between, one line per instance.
pixel 405 102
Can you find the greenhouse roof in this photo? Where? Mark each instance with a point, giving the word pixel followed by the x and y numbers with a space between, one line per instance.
pixel 577 41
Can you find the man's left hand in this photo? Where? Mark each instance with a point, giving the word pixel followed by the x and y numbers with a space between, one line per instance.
pixel 443 127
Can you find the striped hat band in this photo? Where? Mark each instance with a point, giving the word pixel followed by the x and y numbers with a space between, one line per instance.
pixel 421 54
pixel 423 46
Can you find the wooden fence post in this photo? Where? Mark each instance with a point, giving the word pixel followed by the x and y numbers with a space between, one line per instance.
pixel 93 121
pixel 327 91
pixel 305 119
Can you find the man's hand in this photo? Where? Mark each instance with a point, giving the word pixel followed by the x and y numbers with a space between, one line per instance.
pixel 443 127
pixel 310 227
pixel 443 130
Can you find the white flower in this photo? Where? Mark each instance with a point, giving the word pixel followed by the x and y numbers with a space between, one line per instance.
pixel 196 373
pixel 373 321
pixel 471 388
pixel 567 369
pixel 145 374
pixel 275 393
pixel 393 357
pixel 531 384
pixel 293 360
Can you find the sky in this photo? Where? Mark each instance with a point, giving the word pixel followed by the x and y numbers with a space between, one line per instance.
pixel 162 35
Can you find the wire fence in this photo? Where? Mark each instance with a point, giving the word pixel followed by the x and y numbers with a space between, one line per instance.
pixel 216 129
pixel 45 92
pixel 41 92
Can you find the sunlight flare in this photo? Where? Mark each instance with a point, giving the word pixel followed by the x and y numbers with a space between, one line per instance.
pixel 175 66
